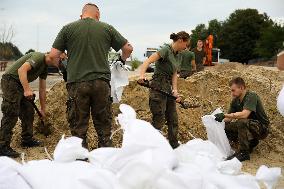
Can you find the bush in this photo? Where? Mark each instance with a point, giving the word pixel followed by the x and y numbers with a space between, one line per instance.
pixel 135 63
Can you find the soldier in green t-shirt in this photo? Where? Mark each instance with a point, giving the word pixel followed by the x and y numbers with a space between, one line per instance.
pixel 187 63
pixel 165 78
pixel 246 121
pixel 88 42
pixel 16 96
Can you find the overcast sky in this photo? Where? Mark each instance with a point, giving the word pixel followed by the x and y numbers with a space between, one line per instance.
pixel 146 23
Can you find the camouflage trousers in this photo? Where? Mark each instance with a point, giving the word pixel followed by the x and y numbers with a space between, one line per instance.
pixel 83 98
pixel 199 67
pixel 163 110
pixel 15 106
pixel 244 130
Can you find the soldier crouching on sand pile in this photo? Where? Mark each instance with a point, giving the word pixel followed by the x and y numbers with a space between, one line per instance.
pixel 246 121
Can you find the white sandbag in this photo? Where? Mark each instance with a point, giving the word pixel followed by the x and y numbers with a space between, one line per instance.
pixel 269 176
pixel 190 152
pixel 280 102
pixel 230 167
pixel 101 156
pixel 138 175
pixel 170 180
pixel 231 181
pixel 9 175
pixel 47 174
pixel 69 149
pixel 139 134
pixel 119 79
pixel 216 133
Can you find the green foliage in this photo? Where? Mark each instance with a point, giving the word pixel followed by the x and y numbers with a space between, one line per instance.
pixel 240 33
pixel 29 51
pixel 135 63
pixel 9 51
pixel 200 32
pixel 244 35
pixel 214 28
pixel 271 41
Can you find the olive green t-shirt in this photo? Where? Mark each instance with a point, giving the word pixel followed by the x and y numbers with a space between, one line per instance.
pixel 168 63
pixel 253 103
pixel 37 62
pixel 185 58
pixel 88 42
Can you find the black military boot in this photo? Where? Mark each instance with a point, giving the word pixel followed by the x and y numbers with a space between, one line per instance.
pixel 252 144
pixel 30 143
pixel 241 156
pixel 8 151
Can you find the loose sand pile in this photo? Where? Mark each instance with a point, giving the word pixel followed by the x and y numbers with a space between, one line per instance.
pixel 209 88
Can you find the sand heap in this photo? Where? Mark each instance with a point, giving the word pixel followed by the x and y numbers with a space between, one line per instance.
pixel 209 88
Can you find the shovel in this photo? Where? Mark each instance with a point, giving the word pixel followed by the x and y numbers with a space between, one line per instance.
pixel 43 128
pixel 184 104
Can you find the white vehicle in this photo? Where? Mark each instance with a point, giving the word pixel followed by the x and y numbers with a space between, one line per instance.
pixel 148 53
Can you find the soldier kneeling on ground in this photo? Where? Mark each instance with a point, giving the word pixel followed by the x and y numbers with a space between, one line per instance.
pixel 17 95
pixel 246 121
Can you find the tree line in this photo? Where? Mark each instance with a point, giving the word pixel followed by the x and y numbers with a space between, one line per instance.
pixel 245 35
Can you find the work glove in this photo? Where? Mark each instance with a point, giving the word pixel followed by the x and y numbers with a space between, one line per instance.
pixel 219 117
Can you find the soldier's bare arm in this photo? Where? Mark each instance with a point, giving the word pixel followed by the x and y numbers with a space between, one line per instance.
pixel 239 115
pixel 22 71
pixel 153 58
pixel 193 64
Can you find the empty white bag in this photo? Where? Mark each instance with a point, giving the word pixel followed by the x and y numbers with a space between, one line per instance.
pixel 216 133
pixel 119 79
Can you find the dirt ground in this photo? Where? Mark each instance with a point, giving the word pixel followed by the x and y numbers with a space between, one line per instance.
pixel 208 89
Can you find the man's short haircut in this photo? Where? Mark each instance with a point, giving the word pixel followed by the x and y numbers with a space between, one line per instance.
pixel 90 4
pixel 238 81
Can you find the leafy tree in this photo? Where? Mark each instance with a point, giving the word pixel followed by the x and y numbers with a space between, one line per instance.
pixel 240 33
pixel 271 41
pixel 214 28
pixel 8 51
pixel 200 32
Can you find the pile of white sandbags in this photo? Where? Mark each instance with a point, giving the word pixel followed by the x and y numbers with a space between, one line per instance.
pixel 145 161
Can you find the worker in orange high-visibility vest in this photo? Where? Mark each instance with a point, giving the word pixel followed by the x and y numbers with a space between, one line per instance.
pixel 208 50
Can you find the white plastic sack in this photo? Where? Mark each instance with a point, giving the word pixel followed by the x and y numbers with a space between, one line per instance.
pixel 193 149
pixel 230 167
pixel 102 156
pixel 280 102
pixel 119 79
pixel 141 134
pixel 70 149
pixel 47 174
pixel 9 176
pixel 269 176
pixel 216 133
